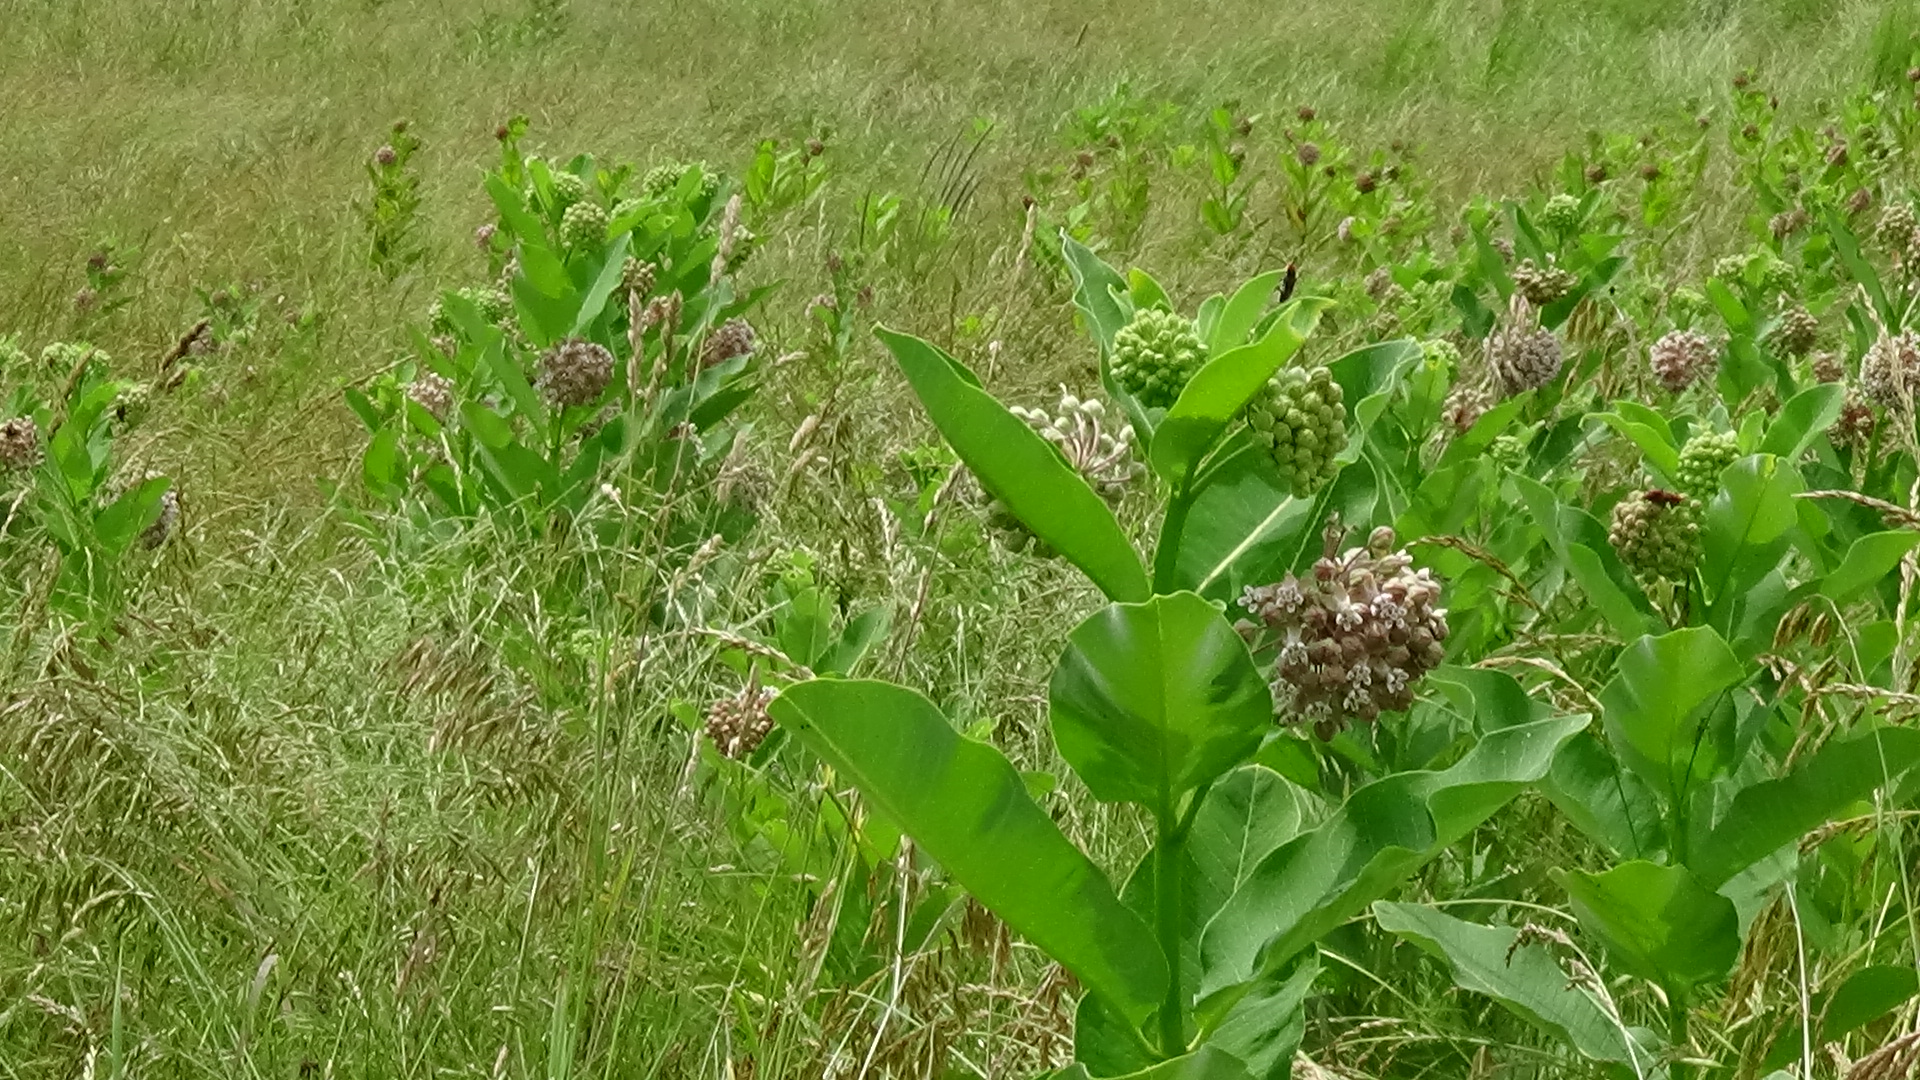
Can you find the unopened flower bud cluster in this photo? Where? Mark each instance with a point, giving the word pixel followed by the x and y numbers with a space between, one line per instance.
pixel 1077 428
pixel 1155 355
pixel 1657 534
pixel 739 724
pixel 1301 420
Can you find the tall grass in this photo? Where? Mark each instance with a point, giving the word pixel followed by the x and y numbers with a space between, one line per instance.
pixel 328 812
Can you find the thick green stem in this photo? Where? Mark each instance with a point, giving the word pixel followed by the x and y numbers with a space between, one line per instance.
pixel 1167 889
pixel 1677 1035
pixel 1166 556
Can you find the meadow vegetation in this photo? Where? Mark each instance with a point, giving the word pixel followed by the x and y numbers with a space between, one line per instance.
pixel 514 561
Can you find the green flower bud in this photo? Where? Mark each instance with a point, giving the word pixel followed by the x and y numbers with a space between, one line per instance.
pixel 1702 460
pixel 1301 421
pixel 568 189
pixel 1561 214
pixel 1657 534
pixel 1155 355
pixel 584 226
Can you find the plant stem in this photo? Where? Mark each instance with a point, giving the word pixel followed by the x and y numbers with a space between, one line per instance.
pixel 1167 915
pixel 1677 1035
pixel 1166 554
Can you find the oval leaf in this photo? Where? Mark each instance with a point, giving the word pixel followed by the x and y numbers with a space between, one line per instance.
pixel 1656 704
pixel 1153 700
pixel 1658 922
pixel 1803 419
pixel 1384 832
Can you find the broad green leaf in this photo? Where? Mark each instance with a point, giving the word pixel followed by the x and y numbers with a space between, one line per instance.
pixel 1248 814
pixel 380 465
pixel 1657 705
pixel 1493 699
pixel 1245 816
pixel 1848 249
pixel 1242 312
pixel 1021 469
pixel 967 807
pixel 1867 563
pixel 1368 373
pixel 856 638
pixel 1219 391
pixel 1492 424
pixel 1145 291
pixel 1206 1063
pixel 526 401
pixel 612 271
pixel 1866 996
pixel 1657 445
pixel 1772 814
pixel 1095 286
pixel 1803 419
pixel 1747 524
pixel 1263 1029
pixel 537 263
pixel 1658 922
pixel 1650 418
pixel 1243 526
pixel 1571 534
pixel 1153 700
pixel 130 514
pixel 1384 832
pixel 1527 980
pixel 1604 799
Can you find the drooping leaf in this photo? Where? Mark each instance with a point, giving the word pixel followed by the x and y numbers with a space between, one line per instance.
pixel 1867 563
pixel 1384 832
pixel 1658 922
pixel 967 807
pixel 1527 980
pixel 1021 469
pixel 1153 700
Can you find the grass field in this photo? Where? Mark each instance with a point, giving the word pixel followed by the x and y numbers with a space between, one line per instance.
pixel 315 804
